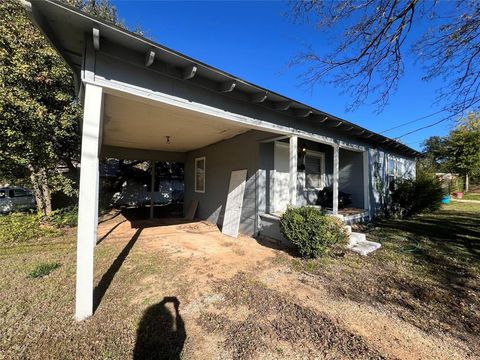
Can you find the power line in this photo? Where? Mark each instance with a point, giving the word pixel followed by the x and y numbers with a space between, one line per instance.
pixel 423 127
pixel 412 121
pixel 435 123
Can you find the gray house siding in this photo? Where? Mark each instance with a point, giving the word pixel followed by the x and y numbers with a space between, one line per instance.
pixel 239 152
pixel 351 176
pixel 378 177
pixel 265 177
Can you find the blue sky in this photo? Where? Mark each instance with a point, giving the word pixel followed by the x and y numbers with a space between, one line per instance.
pixel 255 41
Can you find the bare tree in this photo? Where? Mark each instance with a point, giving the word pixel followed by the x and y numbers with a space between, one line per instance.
pixel 375 35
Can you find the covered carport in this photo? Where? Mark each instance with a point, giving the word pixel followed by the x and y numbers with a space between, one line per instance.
pixel 123 126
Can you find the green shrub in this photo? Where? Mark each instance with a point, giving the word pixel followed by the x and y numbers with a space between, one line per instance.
pixel 411 197
pixel 43 269
pixel 21 227
pixel 311 232
pixel 66 217
pixel 457 184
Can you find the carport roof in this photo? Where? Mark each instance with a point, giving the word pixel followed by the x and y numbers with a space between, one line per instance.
pixel 67 27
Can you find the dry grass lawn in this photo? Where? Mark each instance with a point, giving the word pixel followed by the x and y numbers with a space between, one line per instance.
pixel 170 289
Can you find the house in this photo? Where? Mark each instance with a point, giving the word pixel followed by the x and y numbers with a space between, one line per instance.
pixel 144 101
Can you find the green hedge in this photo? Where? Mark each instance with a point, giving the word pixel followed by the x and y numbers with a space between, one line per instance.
pixel 312 232
pixel 412 197
pixel 66 217
pixel 21 227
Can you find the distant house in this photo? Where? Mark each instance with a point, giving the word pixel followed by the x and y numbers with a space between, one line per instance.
pixel 145 101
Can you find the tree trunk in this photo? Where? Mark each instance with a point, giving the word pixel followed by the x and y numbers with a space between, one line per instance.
pixel 466 183
pixel 47 198
pixel 37 192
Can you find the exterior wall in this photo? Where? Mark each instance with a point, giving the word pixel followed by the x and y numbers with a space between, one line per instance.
pixel 237 153
pixel 266 173
pixel 378 167
pixel 351 176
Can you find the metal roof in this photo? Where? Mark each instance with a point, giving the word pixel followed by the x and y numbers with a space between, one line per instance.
pixel 66 28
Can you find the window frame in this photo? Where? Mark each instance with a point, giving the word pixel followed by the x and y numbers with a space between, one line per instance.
pixel 398 168
pixel 398 172
pixel 321 156
pixel 20 193
pixel 197 160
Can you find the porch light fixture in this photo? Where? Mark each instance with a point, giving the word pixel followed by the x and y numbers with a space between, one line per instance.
pixel 168 139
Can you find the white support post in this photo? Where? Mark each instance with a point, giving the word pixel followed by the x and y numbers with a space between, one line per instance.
pixel 336 168
pixel 293 169
pixel 88 200
pixel 366 182
pixel 152 190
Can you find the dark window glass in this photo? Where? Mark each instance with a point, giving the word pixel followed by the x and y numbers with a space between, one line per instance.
pixel 19 193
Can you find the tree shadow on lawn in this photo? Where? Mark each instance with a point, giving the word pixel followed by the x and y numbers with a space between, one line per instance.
pixel 161 333
pixel 449 244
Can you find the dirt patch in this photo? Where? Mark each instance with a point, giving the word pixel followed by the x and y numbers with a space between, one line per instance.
pixel 277 325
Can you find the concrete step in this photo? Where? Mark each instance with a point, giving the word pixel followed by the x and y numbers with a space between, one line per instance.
pixel 354 238
pixel 358 243
pixel 365 247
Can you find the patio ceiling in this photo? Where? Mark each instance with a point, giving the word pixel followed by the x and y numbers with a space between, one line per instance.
pixel 139 125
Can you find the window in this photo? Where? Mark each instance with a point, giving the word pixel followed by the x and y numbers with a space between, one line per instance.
pixel 400 169
pixel 200 175
pixel 391 167
pixel 20 193
pixel 395 170
pixel 314 170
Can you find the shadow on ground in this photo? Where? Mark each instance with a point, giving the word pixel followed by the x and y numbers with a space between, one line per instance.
pixel 427 270
pixel 276 245
pixel 160 211
pixel 106 280
pixel 161 332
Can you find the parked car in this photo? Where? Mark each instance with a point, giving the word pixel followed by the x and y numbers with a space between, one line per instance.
pixel 15 199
